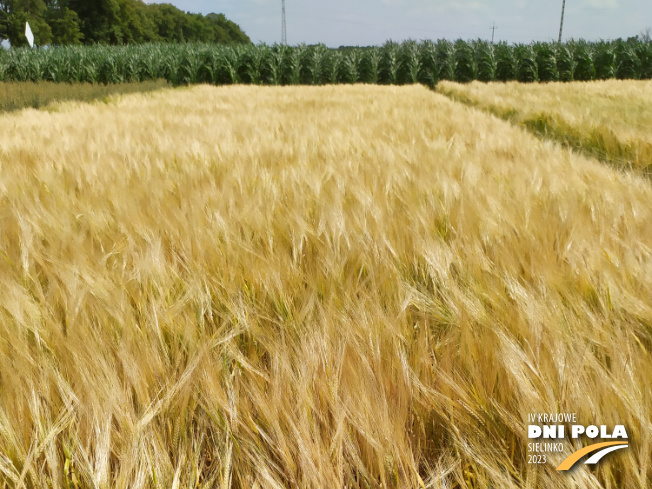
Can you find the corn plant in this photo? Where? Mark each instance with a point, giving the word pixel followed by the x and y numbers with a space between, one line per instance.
pixel 584 66
pixel 3 65
pixel 605 61
pixel 272 65
pixel 88 72
pixel 429 72
pixel 644 54
pixel 526 65
pixel 409 63
pixel 312 65
pixel 18 65
pixel 250 65
pixel 150 62
pixel 393 63
pixel 132 71
pixel 464 69
pixel 445 59
pixel 370 65
pixel 389 63
pixel 505 62
pixel 349 68
pixel 628 64
pixel 565 63
pixel 331 66
pixel 485 60
pixel 291 65
pixel 229 68
pixel 546 62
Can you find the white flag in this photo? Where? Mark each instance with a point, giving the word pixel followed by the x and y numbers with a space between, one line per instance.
pixel 29 35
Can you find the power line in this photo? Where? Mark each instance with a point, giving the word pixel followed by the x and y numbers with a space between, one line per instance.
pixel 284 33
pixel 561 25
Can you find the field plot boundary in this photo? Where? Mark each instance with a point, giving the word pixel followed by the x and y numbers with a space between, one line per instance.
pixel 313 287
pixel 600 142
pixel 47 95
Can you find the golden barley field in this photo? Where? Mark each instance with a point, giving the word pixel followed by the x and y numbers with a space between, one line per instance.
pixel 313 287
pixel 608 119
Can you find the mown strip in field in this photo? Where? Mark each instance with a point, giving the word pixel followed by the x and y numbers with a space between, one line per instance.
pixel 608 120
pixel 20 95
pixel 315 287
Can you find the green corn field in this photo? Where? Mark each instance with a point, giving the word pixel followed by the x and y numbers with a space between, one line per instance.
pixel 424 62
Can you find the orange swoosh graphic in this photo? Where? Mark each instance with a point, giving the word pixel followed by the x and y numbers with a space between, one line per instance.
pixel 574 457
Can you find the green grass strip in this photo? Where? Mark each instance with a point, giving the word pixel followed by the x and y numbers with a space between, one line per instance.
pixel 21 95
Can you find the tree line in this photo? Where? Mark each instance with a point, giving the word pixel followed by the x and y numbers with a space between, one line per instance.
pixel 66 22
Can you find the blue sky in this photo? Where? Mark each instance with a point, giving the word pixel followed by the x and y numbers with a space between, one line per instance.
pixel 366 22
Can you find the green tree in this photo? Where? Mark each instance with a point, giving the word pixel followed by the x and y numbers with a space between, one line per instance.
pixel 111 22
pixel 149 29
pixel 135 25
pixel 4 23
pixel 98 20
pixel 225 30
pixel 169 21
pixel 65 25
pixel 18 13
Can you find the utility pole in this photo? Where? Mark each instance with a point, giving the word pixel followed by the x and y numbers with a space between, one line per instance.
pixel 493 29
pixel 284 34
pixel 561 25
